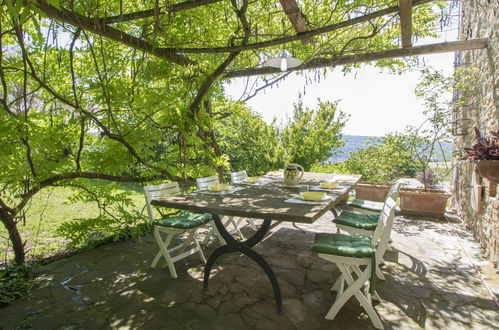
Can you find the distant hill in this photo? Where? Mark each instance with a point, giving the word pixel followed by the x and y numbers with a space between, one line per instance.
pixel 355 142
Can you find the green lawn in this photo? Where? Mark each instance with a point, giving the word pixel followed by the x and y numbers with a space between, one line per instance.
pixel 45 213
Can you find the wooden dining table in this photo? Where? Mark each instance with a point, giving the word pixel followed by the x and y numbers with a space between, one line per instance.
pixel 269 202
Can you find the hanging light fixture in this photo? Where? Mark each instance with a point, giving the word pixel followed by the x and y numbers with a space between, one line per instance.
pixel 283 61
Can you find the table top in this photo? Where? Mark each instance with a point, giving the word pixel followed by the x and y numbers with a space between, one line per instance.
pixel 262 202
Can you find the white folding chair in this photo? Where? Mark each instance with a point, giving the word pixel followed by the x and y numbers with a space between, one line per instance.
pixel 206 182
pixel 364 224
pixel 237 177
pixel 185 222
pixel 349 252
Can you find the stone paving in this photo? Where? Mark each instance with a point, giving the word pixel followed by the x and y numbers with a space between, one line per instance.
pixel 430 283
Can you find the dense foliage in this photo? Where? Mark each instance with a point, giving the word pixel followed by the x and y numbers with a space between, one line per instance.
pixel 312 135
pixel 249 143
pixel 385 159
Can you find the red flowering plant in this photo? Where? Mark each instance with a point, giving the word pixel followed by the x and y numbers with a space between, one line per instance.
pixel 485 148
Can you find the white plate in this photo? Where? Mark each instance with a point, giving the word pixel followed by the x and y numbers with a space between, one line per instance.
pixel 222 190
pixel 253 181
pixel 325 198
pixel 329 187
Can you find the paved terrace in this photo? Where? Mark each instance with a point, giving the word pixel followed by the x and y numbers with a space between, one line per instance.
pixel 430 283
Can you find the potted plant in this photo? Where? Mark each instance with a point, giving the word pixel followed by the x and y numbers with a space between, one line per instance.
pixel 427 147
pixel 372 191
pixel 382 162
pixel 427 201
pixel 485 155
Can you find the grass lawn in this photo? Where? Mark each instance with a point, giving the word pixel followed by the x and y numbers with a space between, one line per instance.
pixel 45 213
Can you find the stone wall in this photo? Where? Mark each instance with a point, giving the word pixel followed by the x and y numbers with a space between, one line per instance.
pixel 479 19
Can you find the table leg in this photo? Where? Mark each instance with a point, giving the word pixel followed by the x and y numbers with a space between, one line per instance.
pixel 245 248
pixel 335 213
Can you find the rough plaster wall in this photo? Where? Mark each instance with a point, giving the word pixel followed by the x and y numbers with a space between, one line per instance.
pixel 480 19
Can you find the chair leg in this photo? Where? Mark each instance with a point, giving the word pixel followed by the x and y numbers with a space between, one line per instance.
pixel 338 285
pixel 158 239
pixel 190 238
pixel 355 289
pixel 379 273
pixel 198 246
pixel 230 220
pixel 163 247
pixel 216 233
pixel 380 253
pixel 343 298
pixel 252 224
pixel 213 232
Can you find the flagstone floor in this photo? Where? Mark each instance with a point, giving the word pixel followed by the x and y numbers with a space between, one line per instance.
pixel 430 283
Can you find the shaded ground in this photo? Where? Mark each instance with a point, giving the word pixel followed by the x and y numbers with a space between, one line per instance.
pixel 429 283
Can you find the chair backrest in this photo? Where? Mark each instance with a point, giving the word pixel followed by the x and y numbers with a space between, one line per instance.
pixel 204 183
pixel 385 236
pixel 154 191
pixel 385 218
pixel 393 193
pixel 238 176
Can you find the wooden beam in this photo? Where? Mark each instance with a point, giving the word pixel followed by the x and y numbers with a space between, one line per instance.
pixel 294 15
pixel 405 13
pixel 179 6
pixel 301 36
pixel 93 26
pixel 443 47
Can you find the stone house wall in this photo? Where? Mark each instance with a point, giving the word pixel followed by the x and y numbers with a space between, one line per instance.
pixel 479 19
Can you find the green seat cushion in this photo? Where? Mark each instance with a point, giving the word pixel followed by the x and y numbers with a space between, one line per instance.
pixel 358 220
pixel 357 215
pixel 366 205
pixel 356 246
pixel 184 220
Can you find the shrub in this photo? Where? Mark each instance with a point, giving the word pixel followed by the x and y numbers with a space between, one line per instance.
pixel 329 168
pixel 249 142
pixel 118 216
pixel 15 281
pixel 384 159
pixel 313 135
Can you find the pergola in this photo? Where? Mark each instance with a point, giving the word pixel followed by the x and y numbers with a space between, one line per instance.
pixel 118 25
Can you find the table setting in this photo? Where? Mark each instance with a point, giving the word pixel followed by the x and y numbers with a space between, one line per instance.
pixel 310 197
pixel 255 181
pixel 219 189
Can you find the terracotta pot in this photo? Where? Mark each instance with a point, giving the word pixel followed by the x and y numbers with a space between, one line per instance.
pixel 427 203
pixel 488 169
pixel 376 192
